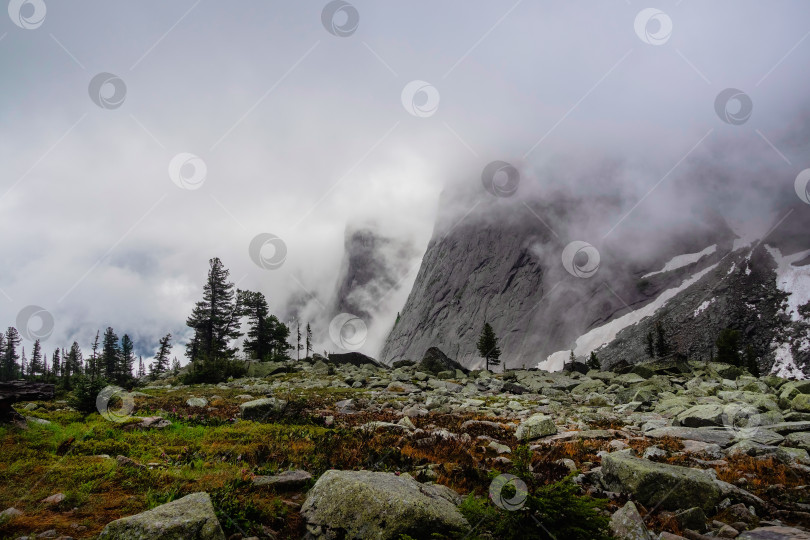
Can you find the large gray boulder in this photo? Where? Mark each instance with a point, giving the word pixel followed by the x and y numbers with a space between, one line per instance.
pixel 669 487
pixel 259 409
pixel 534 427
pixel 435 361
pixel 190 517
pixel 774 533
pixel 366 504
pixel 710 414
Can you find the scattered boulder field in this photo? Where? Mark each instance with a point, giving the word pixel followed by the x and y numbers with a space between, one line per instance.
pixel 673 449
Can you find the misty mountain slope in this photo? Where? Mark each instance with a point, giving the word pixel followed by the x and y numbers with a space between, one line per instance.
pixel 373 265
pixel 500 264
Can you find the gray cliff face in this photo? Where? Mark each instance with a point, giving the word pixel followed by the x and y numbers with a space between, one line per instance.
pixel 477 273
pixel 500 264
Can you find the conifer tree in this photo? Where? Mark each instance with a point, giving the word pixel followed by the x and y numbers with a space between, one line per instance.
pixel 215 318
pixel 259 339
pixel 593 361
pixel 127 358
pixel 728 347
pixel 93 368
pixel 488 346
pixel 309 340
pixel 24 369
pixel 650 348
pixel 73 363
pixel 175 366
pixel 36 367
pixel 141 368
pixel 662 348
pixel 10 368
pixel 110 355
pixel 298 342
pixel 161 363
pixel 56 359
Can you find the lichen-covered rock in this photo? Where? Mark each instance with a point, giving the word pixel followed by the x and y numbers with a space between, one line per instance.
pixel 627 524
pixel 702 415
pixel 534 427
pixel 260 409
pixel 670 487
pixel 196 402
pixel 801 403
pixel 366 504
pixel 774 533
pixel 189 517
pixel 798 440
pixel 285 480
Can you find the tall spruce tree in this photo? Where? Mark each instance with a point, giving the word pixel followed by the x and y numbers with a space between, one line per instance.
pixel 488 346
pixel 141 368
pixel 73 363
pixel 662 348
pixel 258 343
pixel 93 364
pixel 56 360
pixel 24 369
pixel 161 363
pixel 298 342
pixel 110 355
pixel 10 356
pixel 2 356
pixel 728 347
pixel 37 367
pixel 127 358
pixel 215 318
pixel 650 345
pixel 309 340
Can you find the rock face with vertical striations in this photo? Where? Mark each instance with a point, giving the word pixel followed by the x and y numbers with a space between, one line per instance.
pixel 500 261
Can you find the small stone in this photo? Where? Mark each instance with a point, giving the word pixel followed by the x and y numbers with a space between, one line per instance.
pixel 56 498
pixel 196 402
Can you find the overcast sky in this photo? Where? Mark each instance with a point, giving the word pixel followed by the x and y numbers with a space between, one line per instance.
pixel 299 130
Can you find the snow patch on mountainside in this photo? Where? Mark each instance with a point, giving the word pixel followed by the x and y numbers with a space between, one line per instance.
pixel 606 333
pixel 702 307
pixel 783 365
pixel 794 280
pixel 683 260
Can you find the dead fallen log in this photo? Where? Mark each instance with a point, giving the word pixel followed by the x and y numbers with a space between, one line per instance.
pixel 15 391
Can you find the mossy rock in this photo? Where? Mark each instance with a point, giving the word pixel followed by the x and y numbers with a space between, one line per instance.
pixel 670 487
pixel 190 517
pixel 366 504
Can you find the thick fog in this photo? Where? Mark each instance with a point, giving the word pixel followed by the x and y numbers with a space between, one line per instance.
pixel 138 140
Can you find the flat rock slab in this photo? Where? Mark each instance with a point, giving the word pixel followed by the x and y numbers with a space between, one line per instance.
pixel 286 480
pixel 720 436
pixel 774 533
pixel 190 517
pixel 384 506
pixel 783 428
pixel 656 484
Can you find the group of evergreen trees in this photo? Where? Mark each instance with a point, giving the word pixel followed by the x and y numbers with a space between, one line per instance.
pixel 215 322
pixel 112 360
